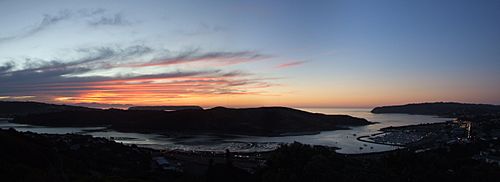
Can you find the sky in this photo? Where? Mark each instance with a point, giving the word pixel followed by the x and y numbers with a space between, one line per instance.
pixel 336 53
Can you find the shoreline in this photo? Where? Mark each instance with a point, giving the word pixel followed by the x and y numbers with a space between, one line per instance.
pixel 362 139
pixel 104 128
pixel 226 135
pixel 426 133
pixel 238 135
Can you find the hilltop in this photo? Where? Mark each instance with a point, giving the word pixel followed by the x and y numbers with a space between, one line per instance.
pixel 263 121
pixel 448 109
pixel 13 108
pixel 165 108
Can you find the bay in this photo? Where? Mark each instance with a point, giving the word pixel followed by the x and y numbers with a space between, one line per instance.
pixel 343 139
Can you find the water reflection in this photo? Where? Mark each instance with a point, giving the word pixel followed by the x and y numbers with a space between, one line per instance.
pixel 343 139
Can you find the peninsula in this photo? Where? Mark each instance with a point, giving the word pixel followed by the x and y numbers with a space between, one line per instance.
pixel 262 121
pixel 446 109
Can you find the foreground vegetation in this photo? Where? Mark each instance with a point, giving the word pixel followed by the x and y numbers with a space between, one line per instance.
pixel 297 162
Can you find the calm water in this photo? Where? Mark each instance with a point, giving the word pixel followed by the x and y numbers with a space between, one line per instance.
pixel 344 139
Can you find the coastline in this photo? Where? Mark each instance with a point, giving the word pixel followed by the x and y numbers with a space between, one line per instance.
pixel 420 135
pixel 191 139
pixel 362 139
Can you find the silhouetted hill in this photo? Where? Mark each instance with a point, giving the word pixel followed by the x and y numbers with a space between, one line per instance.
pixel 165 108
pixel 43 157
pixel 252 121
pixel 12 108
pixel 439 108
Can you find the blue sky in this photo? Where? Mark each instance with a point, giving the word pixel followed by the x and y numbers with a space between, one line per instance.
pixel 248 53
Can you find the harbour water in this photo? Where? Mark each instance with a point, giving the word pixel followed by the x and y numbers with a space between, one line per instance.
pixel 343 139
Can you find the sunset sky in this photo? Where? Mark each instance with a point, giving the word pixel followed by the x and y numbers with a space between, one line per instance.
pixel 350 53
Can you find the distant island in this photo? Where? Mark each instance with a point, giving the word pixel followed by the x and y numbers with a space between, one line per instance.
pixel 446 109
pixel 165 108
pixel 263 121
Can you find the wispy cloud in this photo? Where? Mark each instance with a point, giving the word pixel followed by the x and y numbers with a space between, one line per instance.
pixel 99 17
pixel 201 29
pixel 216 58
pixel 92 58
pixel 55 80
pixel 115 20
pixel 47 21
pixel 290 64
pixel 7 66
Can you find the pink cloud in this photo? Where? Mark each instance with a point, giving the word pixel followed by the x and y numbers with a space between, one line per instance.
pixel 290 64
